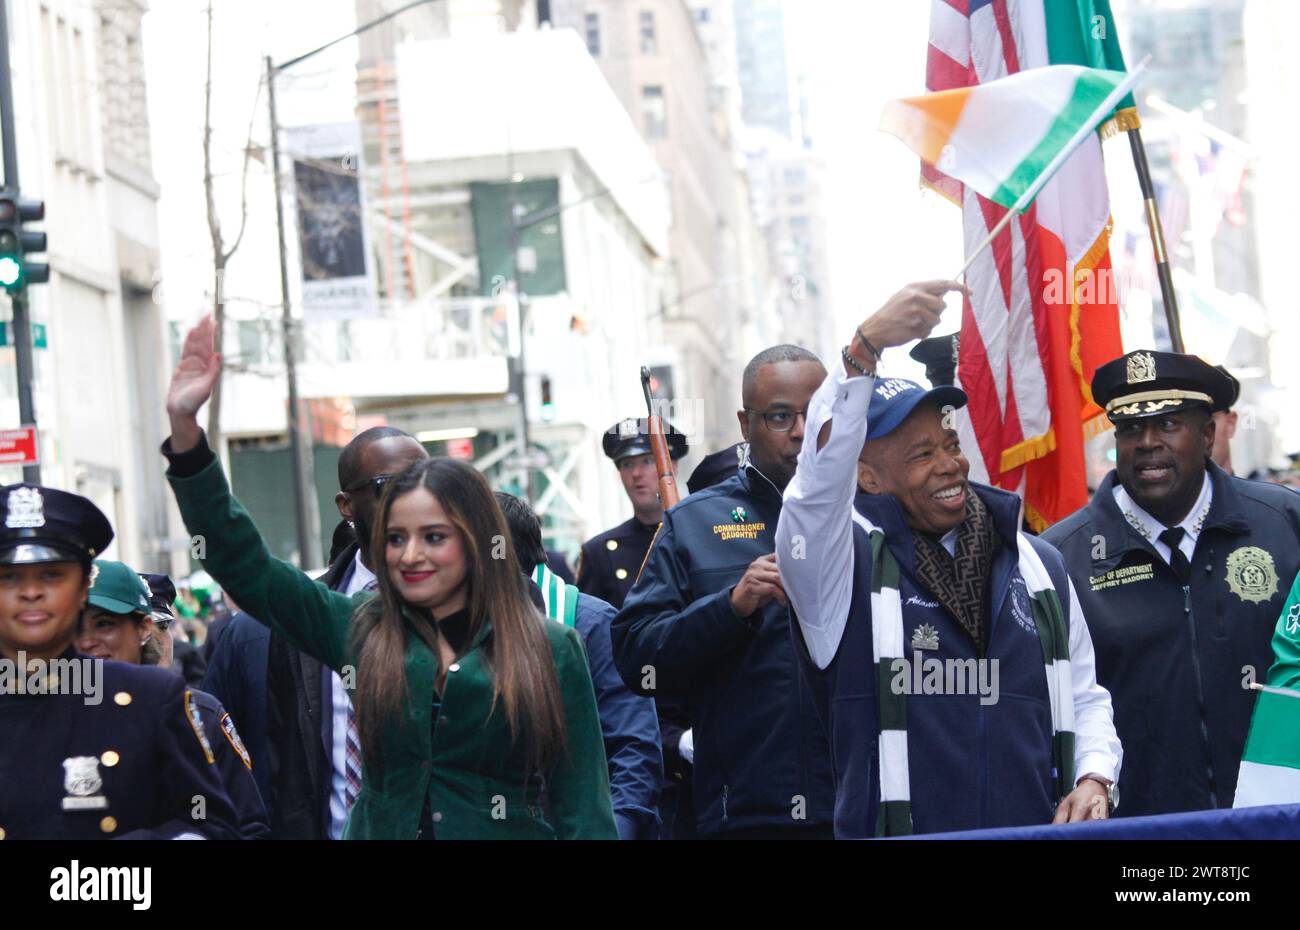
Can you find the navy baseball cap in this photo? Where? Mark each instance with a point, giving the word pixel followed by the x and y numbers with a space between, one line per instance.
pixel 894 399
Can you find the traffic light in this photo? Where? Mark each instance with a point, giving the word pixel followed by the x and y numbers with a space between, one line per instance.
pixel 16 243
pixel 548 405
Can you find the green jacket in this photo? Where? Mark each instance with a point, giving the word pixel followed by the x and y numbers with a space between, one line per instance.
pixel 460 757
pixel 1285 672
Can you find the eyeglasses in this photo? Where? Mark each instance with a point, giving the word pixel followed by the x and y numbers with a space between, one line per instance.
pixel 377 482
pixel 780 421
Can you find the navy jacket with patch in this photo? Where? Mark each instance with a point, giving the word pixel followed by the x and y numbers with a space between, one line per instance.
pixel 760 750
pixel 972 765
pixel 1177 663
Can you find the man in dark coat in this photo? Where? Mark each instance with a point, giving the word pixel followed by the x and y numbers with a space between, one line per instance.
pixel 1181 570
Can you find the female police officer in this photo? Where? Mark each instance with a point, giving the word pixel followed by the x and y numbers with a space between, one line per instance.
pixel 118 624
pixel 88 748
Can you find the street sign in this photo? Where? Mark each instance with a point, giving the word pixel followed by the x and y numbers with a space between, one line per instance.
pixel 534 460
pixel 39 338
pixel 460 448
pixel 18 446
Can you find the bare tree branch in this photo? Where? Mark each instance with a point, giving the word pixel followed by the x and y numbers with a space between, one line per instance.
pixel 243 180
pixel 221 254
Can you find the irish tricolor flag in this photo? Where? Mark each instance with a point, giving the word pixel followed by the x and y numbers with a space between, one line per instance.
pixel 1270 766
pixel 1005 138
pixel 1043 312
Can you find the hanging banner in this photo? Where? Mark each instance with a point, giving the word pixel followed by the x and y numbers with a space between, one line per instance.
pixel 337 281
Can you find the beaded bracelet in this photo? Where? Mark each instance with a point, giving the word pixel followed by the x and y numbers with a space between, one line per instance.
pixel 853 362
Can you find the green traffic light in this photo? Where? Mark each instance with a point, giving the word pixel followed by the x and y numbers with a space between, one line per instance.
pixel 10 271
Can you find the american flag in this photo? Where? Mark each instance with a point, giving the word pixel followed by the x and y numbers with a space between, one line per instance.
pixel 1029 339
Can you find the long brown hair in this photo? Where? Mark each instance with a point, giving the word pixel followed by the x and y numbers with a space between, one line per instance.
pixel 518 654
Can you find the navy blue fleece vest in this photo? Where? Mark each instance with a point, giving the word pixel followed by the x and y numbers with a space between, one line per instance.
pixel 971 765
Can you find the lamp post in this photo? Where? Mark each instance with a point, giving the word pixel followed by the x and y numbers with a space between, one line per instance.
pixel 307 519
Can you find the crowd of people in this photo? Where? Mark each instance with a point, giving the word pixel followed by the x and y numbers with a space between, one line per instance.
pixel 835 634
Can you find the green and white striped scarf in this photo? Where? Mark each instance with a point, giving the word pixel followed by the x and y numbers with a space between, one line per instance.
pixel 561 599
pixel 887 645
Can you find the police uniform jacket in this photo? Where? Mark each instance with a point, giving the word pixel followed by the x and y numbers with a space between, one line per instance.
pixel 137 764
pixel 1178 661
pixel 236 767
pixel 758 741
pixel 610 562
pixel 451 764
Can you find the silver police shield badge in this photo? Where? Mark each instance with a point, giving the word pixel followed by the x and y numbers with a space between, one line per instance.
pixel 81 781
pixel 24 508
pixel 1141 367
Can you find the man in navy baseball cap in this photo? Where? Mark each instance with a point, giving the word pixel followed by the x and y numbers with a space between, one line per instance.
pixel 894 560
pixel 912 453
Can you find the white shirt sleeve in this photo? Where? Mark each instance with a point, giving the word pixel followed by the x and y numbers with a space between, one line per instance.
pixel 1096 746
pixel 814 537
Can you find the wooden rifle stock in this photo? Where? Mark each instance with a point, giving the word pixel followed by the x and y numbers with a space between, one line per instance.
pixel 668 495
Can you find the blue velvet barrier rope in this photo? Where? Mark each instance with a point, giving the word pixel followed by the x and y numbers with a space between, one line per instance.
pixel 1248 823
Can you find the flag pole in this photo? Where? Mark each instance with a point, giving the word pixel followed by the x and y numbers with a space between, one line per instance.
pixel 1055 164
pixel 1157 230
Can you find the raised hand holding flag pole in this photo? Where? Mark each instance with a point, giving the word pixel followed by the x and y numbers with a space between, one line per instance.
pixel 1006 138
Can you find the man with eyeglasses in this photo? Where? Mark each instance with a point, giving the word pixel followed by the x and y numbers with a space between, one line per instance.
pixel 706 626
pixel 302 707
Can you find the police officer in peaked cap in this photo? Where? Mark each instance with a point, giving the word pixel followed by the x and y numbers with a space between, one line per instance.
pixel 89 749
pixel 1181 570
pixel 609 563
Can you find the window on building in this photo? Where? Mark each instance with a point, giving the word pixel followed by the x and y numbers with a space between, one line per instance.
pixel 795 200
pixel 795 176
pixel 591 29
pixel 253 339
pixel 648 44
pixel 799 222
pixel 702 14
pixel 654 111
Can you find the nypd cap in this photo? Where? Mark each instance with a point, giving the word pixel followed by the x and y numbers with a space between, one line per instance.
pixel 715 468
pixel 939 356
pixel 39 524
pixel 1236 391
pixel 1147 383
pixel 632 437
pixel 162 592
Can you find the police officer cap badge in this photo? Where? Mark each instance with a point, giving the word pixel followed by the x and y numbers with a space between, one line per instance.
pixel 1148 383
pixel 44 524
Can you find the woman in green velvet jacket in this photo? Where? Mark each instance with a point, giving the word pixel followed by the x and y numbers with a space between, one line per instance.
pixel 477 719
